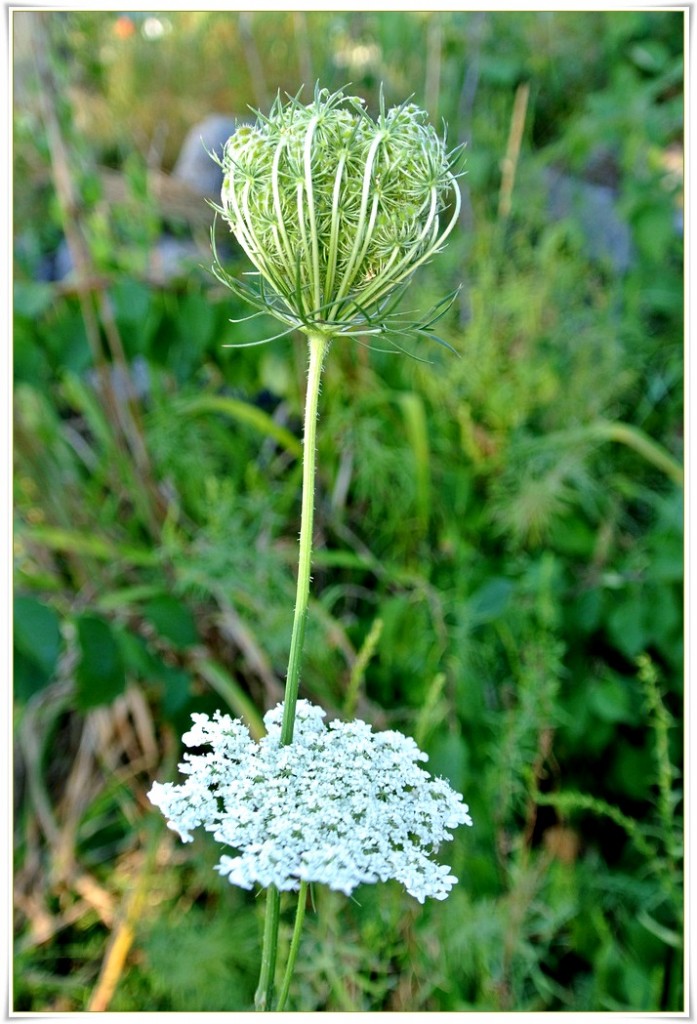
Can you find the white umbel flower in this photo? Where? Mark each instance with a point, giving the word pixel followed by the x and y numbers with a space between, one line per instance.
pixel 341 805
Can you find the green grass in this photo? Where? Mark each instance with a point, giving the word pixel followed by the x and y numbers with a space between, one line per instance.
pixel 498 564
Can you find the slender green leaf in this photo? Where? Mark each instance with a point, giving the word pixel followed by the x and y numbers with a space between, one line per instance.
pixel 245 412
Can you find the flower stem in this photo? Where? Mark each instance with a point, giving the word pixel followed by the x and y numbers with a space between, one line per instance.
pixel 294 945
pixel 264 992
pixel 318 345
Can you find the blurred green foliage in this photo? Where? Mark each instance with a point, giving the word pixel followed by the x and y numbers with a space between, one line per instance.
pixel 507 523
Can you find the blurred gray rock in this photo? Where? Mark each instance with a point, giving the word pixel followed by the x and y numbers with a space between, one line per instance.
pixel 171 258
pixel 174 258
pixel 594 206
pixel 194 164
pixel 138 379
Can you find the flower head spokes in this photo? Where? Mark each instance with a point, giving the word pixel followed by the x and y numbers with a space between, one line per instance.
pixel 336 211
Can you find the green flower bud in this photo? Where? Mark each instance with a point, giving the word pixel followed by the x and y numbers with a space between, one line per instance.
pixel 335 210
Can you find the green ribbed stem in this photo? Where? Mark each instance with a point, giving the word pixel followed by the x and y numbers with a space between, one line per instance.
pixel 264 992
pixel 318 345
pixel 294 946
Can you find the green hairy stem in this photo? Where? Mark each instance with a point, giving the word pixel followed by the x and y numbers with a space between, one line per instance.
pixel 318 345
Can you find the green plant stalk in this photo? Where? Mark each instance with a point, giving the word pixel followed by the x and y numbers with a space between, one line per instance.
pixel 318 344
pixel 625 433
pixel 318 347
pixel 568 802
pixel 360 665
pixel 632 437
pixel 264 992
pixel 661 722
pixel 294 946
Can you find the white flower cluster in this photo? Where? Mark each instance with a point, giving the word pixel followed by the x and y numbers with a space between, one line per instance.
pixel 341 805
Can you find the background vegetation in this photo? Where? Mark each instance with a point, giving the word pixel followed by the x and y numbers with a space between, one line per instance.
pixel 499 557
